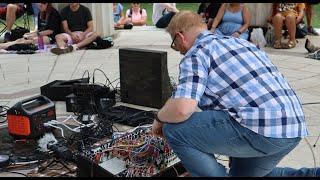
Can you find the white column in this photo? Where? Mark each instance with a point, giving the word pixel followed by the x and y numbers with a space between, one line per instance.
pixel 259 13
pixel 102 16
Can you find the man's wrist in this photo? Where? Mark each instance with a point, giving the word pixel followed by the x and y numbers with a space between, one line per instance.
pixel 239 32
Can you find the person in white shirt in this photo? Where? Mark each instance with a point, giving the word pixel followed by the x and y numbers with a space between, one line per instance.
pixel 162 14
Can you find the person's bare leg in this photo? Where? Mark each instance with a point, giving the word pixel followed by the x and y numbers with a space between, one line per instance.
pixel 86 40
pixel 291 26
pixel 61 41
pixel 11 15
pixel 18 41
pixel 277 24
pixel 309 12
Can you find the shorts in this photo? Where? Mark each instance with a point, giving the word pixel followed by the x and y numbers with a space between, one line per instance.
pixel 3 12
pixel 70 41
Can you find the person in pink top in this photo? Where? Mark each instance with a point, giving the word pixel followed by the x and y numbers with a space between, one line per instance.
pixel 136 15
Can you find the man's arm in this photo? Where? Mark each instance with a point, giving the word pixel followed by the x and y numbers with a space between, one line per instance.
pixel 90 27
pixel 177 110
pixel 66 27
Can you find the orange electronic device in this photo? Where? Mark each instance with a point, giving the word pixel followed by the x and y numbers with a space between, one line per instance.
pixel 26 118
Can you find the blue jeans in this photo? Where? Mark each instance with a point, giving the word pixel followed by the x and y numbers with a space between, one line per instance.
pixel 196 140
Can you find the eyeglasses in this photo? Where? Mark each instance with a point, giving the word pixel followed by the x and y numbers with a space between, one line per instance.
pixel 173 45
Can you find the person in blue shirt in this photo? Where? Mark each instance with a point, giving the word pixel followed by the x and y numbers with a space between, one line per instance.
pixel 119 18
pixel 233 19
pixel 248 111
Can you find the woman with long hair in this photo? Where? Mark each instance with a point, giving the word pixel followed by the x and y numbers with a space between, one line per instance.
pixel 49 24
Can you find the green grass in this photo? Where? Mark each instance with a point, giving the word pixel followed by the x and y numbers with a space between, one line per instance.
pixel 186 6
pixel 316 17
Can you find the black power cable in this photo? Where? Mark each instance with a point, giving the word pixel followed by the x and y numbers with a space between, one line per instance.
pixel 3 113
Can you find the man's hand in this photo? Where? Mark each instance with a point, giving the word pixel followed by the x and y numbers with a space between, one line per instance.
pixel 157 128
pixel 75 37
pixel 235 34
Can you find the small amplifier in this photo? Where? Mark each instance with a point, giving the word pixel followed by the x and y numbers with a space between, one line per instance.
pixel 58 90
pixel 26 118
pixel 90 97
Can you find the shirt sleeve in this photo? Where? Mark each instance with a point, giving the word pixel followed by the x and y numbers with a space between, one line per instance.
pixel 64 14
pixel 192 78
pixel 127 13
pixel 300 7
pixel 88 14
pixel 144 13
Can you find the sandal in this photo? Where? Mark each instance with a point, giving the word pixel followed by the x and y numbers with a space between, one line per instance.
pixel 277 44
pixel 290 44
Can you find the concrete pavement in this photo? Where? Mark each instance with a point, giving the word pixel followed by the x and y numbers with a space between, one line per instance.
pixel 22 75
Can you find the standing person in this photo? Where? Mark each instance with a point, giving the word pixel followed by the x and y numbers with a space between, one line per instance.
pixel 249 111
pixel 10 12
pixel 78 27
pixel 309 14
pixel 49 24
pixel 162 14
pixel 235 20
pixel 136 15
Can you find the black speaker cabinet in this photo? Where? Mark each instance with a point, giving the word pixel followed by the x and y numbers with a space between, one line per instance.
pixel 144 78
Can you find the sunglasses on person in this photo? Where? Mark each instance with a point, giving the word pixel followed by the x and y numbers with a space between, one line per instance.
pixel 173 45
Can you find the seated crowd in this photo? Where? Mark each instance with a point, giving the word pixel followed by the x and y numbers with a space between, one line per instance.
pixel 72 28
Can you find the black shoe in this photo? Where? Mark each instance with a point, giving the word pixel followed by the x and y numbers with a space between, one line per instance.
pixel 312 31
pixel 59 51
pixel 7 36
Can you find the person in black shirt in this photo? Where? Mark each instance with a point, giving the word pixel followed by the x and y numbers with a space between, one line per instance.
pixel 49 24
pixel 208 12
pixel 78 27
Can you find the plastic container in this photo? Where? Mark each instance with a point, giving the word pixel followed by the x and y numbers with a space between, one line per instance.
pixel 40 43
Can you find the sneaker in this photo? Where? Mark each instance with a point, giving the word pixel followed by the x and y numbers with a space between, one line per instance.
pixel 312 31
pixel 59 51
pixel 7 36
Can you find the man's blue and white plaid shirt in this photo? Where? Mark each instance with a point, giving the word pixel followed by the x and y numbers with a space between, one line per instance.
pixel 231 74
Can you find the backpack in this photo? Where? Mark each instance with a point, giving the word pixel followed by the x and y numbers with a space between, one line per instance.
pixel 18 33
pixel 301 30
pixel 100 43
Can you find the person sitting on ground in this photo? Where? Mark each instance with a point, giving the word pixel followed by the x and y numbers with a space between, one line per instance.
pixel 310 47
pixel 286 15
pixel 9 13
pixel 235 20
pixel 162 14
pixel 249 111
pixel 49 24
pixel 78 27
pixel 208 11
pixel 309 15
pixel 136 15
pixel 119 18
